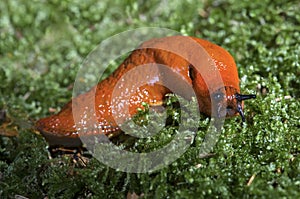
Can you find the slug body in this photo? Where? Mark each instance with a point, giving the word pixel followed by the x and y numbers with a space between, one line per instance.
pixel 113 100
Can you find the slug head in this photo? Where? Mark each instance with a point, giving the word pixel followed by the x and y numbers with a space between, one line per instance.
pixel 228 102
pixel 223 102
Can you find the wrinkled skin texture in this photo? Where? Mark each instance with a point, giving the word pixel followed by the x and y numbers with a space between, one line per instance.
pixel 107 100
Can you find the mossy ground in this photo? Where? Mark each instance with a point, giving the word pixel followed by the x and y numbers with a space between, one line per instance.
pixel 42 44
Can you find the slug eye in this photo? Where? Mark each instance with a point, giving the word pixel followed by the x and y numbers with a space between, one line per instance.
pixel 218 96
pixel 191 72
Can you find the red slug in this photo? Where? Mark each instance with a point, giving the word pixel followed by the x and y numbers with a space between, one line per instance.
pixel 60 129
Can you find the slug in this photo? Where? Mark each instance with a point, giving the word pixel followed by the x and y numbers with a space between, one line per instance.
pixel 60 129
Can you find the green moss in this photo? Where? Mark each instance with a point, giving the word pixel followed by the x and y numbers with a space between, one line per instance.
pixel 42 44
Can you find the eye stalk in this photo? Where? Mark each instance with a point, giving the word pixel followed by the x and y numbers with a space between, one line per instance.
pixel 240 98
